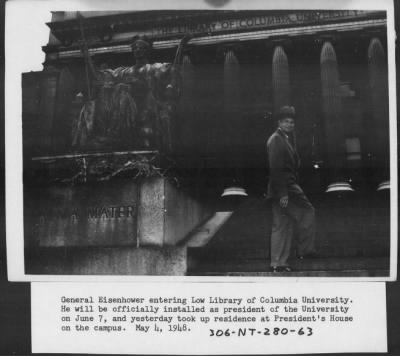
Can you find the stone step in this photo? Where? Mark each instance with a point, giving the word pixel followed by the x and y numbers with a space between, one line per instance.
pixel 334 265
pixel 350 273
pixel 350 227
pixel 261 250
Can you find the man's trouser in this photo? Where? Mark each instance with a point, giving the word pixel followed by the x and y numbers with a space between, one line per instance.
pixel 299 213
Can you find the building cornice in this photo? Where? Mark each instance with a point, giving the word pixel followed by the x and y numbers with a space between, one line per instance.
pixel 236 37
pixel 169 25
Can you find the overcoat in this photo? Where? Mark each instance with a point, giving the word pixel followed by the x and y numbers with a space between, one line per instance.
pixel 284 162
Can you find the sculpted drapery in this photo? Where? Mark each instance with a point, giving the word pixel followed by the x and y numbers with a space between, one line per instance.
pixel 133 106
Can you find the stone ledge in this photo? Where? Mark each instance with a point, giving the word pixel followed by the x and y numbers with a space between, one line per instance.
pixel 351 273
pixel 107 261
pixel 255 266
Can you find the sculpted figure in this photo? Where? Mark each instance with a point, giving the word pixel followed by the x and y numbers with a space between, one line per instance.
pixel 132 107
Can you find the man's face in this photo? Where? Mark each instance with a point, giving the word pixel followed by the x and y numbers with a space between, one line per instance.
pixel 140 50
pixel 286 124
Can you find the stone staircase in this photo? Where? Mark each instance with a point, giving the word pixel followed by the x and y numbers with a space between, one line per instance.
pixel 352 239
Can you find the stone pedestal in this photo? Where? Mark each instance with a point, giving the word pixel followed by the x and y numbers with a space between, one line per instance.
pixel 107 261
pixel 166 215
pixel 118 226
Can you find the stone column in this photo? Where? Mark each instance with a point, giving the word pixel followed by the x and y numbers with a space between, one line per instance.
pixel 49 84
pixel 333 120
pixel 280 78
pixel 231 82
pixel 231 99
pixel 378 83
pixel 187 105
pixel 188 81
pixel 232 117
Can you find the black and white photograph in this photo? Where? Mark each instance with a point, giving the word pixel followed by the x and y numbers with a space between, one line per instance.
pixel 217 143
pixel 200 177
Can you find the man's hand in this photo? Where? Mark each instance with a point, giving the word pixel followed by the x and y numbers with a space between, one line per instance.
pixel 186 38
pixel 83 46
pixel 284 201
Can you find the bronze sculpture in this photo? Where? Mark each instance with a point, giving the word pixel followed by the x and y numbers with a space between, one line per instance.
pixel 133 106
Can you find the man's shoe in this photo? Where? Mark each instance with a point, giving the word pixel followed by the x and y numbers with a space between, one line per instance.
pixel 276 269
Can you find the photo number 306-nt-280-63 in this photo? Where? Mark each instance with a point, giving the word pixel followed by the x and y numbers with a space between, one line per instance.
pixel 304 331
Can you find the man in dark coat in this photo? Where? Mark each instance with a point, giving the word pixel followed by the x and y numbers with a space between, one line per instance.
pixel 289 203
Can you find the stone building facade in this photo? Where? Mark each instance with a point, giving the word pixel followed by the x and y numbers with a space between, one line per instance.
pixel 237 70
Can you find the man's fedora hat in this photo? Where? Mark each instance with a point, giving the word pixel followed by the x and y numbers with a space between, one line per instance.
pixel 286 111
